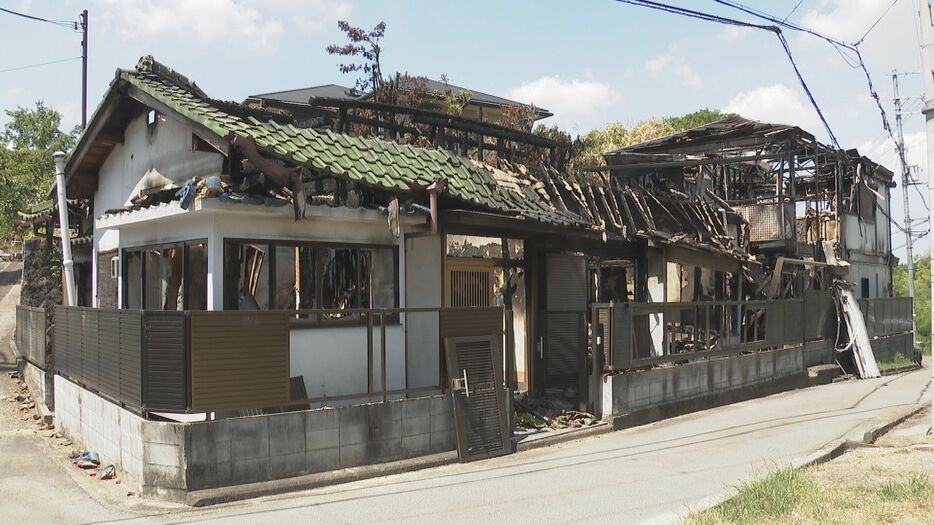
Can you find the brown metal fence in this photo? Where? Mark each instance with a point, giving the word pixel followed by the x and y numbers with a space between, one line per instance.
pixel 635 335
pixel 207 361
pixel 887 315
pixel 102 350
pixel 31 334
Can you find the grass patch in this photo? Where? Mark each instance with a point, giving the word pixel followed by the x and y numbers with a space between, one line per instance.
pixel 899 362
pixel 872 486
pixel 910 488
pixel 773 495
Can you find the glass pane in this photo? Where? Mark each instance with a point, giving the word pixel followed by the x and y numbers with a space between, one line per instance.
pixel 287 278
pixel 379 280
pixel 172 263
pixel 338 279
pixel 132 280
pixel 197 277
pixel 307 292
pixel 152 293
pixel 485 247
pixel 247 276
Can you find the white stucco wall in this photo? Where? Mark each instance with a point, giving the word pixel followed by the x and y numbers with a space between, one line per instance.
pixel 145 159
pixel 868 247
pixel 333 360
pixel 423 256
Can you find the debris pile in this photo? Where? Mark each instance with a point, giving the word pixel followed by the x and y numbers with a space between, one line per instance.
pixel 540 414
pixel 571 419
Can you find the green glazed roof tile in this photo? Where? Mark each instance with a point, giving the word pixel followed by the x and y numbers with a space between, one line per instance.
pixel 377 162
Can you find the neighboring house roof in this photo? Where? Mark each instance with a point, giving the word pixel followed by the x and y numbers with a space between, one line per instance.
pixel 368 161
pixel 301 96
pixel 478 98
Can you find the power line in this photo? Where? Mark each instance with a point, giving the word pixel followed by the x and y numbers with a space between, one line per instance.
pixel 30 66
pixel 838 44
pixel 874 24
pixel 793 9
pixel 807 90
pixel 731 21
pixel 61 23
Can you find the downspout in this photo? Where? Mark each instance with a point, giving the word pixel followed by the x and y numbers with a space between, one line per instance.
pixel 67 261
pixel 434 190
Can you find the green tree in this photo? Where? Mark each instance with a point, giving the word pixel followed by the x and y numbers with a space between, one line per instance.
pixel 922 297
pixel 27 171
pixel 37 128
pixel 618 135
pixel 695 119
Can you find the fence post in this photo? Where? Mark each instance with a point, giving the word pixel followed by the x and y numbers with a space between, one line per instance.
pixel 595 393
pixel 369 356
pixel 382 351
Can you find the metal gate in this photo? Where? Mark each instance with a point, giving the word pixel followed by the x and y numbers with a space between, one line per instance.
pixel 564 348
pixel 480 407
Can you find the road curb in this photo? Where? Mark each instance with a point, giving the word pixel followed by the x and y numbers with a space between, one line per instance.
pixel 564 437
pixel 861 436
pixel 208 497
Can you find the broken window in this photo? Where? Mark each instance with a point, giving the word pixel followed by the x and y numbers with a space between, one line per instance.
pixel 484 247
pixel 617 282
pixel 196 276
pixel 166 277
pixel 133 280
pixel 247 283
pixel 309 276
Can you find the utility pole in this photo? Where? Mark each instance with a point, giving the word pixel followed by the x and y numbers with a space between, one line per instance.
pixel 906 180
pixel 927 73
pixel 84 68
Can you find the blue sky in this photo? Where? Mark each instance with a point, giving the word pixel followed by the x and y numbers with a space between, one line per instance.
pixel 588 61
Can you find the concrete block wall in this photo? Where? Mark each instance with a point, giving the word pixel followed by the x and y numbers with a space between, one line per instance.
pixel 168 460
pixel 260 448
pixel 40 384
pixel 627 393
pixel 148 454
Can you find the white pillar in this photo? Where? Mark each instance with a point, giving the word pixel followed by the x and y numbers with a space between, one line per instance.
pixel 655 289
pixel 67 261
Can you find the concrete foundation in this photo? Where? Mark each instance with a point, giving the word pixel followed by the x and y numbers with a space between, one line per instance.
pixel 634 392
pixel 169 460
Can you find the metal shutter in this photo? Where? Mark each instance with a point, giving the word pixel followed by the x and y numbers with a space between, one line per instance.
pixel 480 413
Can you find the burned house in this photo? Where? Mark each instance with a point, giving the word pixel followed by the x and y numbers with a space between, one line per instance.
pixel 344 261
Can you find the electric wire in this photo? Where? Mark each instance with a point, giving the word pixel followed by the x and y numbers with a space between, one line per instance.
pixel 874 24
pixel 40 64
pixel 793 9
pixel 839 45
pixel 732 21
pixel 69 24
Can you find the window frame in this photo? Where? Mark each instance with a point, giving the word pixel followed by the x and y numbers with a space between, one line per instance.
pixel 272 246
pixel 124 263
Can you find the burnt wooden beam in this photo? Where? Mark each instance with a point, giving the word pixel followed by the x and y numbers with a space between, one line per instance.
pixel 428 116
pixel 684 163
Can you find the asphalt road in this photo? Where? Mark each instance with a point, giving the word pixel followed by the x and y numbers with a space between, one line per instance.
pixel 651 474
